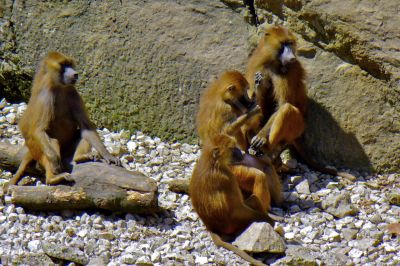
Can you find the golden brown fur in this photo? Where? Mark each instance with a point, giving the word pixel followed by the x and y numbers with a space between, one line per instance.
pixel 223 102
pixel 223 109
pixel 281 94
pixel 55 126
pixel 215 192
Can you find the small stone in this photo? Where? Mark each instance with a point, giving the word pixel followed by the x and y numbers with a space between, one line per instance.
pixel 306 230
pixel 376 218
pixel 295 208
pixel 34 245
pixel 12 217
pixel 289 235
pixel 106 235
pixel 339 205
pixel 394 198
pixel 359 224
pixel 128 259
pixel 143 261
pixel 97 261
pixel 355 253
pixel 131 145
pixel 333 185
pixel 82 233
pixel 11 118
pixel 334 236
pixel 260 237
pixel 186 148
pixel 349 234
pixel 155 256
pixel 70 231
pixel 324 192
pixel 296 179
pixel 303 187
pixel 201 260
pixel 20 210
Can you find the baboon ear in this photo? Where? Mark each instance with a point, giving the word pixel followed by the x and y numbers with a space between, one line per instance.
pixel 215 153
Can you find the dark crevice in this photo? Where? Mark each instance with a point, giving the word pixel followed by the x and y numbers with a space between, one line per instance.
pixel 250 5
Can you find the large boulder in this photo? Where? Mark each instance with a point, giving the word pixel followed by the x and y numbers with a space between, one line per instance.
pixel 353 77
pixel 143 64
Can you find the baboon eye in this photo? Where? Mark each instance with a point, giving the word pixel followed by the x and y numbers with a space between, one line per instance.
pixel 230 88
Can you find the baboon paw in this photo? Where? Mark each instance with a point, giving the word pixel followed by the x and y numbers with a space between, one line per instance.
pixel 257 142
pixel 258 78
pixel 112 160
pixel 68 177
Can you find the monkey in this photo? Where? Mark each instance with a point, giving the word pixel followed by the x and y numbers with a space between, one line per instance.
pixel 281 94
pixel 223 102
pixel 224 108
pixel 56 127
pixel 217 197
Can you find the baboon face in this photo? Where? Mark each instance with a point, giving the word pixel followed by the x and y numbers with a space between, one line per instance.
pixel 282 43
pixel 60 68
pixel 68 75
pixel 234 91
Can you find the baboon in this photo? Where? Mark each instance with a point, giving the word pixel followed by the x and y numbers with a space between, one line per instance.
pixel 225 108
pixel 223 102
pixel 281 94
pixel 55 125
pixel 216 196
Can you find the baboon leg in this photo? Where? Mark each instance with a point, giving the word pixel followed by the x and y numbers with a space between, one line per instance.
pixel 287 125
pixel 83 152
pixel 26 160
pixel 54 174
pixel 254 181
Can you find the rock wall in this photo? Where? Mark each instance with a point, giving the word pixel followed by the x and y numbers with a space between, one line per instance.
pixel 143 64
pixel 354 78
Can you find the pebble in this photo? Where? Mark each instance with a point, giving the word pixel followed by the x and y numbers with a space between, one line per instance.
pixel 176 236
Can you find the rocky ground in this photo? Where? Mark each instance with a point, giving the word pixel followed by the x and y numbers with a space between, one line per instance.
pixel 329 221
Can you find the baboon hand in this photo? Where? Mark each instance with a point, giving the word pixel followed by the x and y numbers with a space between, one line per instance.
pixel 109 159
pixel 258 141
pixel 258 77
pixel 256 110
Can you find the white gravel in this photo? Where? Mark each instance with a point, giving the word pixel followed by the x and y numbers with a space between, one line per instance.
pixel 176 236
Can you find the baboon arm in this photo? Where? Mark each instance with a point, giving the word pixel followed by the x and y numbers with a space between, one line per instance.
pixel 88 129
pixel 233 127
pixel 40 137
pixel 262 136
pixel 43 106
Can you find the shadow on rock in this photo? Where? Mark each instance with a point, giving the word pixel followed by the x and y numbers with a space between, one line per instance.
pixel 327 143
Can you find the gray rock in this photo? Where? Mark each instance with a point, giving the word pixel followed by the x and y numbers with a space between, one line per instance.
pixel 339 205
pixel 366 243
pixel 260 237
pixel 349 234
pixel 65 253
pixel 97 261
pixel 394 197
pixel 31 259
